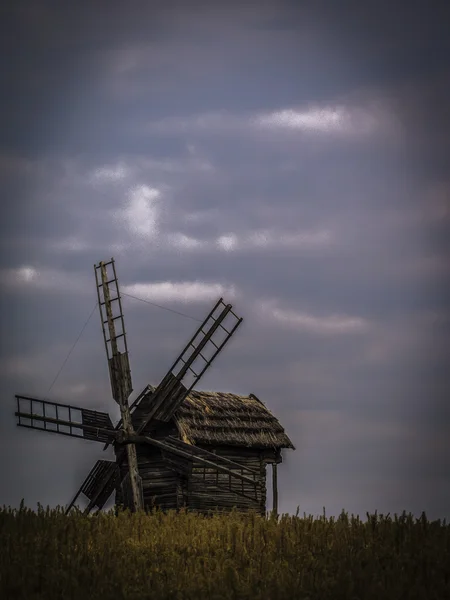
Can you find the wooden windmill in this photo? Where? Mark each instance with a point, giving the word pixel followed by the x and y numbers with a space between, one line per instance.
pixel 174 446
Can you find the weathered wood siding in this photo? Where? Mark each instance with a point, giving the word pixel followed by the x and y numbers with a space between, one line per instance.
pixel 160 483
pixel 205 495
pixel 171 482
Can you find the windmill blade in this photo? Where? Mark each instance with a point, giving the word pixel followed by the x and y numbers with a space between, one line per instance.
pixel 113 328
pixel 173 389
pixel 111 316
pixel 98 485
pixel 64 419
pixel 102 480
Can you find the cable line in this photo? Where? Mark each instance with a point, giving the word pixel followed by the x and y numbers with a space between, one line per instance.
pixel 89 318
pixel 163 307
pixel 72 349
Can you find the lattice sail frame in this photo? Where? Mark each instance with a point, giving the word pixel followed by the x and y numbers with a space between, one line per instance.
pixel 98 486
pixel 119 367
pixel 172 391
pixel 111 317
pixel 64 419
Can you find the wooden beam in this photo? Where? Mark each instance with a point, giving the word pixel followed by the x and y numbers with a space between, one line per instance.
pixel 275 489
pixel 131 439
pixel 73 424
pixel 212 455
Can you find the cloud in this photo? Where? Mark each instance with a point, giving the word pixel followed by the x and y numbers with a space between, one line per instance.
pixel 323 325
pixel 140 165
pixel 185 242
pixel 110 173
pixel 259 239
pixel 227 242
pixel 26 274
pixel 341 119
pixel 185 291
pixel 325 120
pixel 43 279
pixel 141 211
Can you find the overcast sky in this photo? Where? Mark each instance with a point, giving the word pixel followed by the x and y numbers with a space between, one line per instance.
pixel 291 156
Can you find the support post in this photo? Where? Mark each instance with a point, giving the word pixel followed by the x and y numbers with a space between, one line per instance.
pixel 275 489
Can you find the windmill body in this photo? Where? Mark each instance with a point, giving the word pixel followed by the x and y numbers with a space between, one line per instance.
pixel 174 446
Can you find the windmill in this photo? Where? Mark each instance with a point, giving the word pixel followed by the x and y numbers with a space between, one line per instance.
pixel 144 432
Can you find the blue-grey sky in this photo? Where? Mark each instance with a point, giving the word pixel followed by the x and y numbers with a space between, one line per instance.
pixel 290 156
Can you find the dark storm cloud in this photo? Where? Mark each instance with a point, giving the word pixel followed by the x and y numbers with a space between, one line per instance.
pixel 66 55
pixel 156 134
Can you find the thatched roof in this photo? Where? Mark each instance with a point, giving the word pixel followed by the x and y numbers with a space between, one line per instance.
pixel 226 419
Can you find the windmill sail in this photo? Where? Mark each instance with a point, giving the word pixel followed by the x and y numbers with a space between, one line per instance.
pixel 98 485
pixel 114 336
pixel 192 363
pixel 113 328
pixel 64 419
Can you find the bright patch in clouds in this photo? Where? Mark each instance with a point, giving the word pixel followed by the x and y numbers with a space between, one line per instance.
pixel 326 325
pixel 351 120
pixel 313 120
pixel 185 291
pixel 184 242
pixel 44 279
pixel 266 238
pixel 141 212
pixel 258 240
pixel 328 119
pixel 26 273
pixel 303 238
pixel 21 276
pixel 227 242
pixel 335 119
pixel 110 173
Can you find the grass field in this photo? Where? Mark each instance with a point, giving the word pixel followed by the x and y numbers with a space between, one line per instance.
pixel 46 555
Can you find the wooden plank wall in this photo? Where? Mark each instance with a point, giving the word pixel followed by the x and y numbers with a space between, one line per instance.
pixel 171 483
pixel 204 496
pixel 160 483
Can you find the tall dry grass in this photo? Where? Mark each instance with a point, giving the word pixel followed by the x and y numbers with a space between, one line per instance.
pixel 46 555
